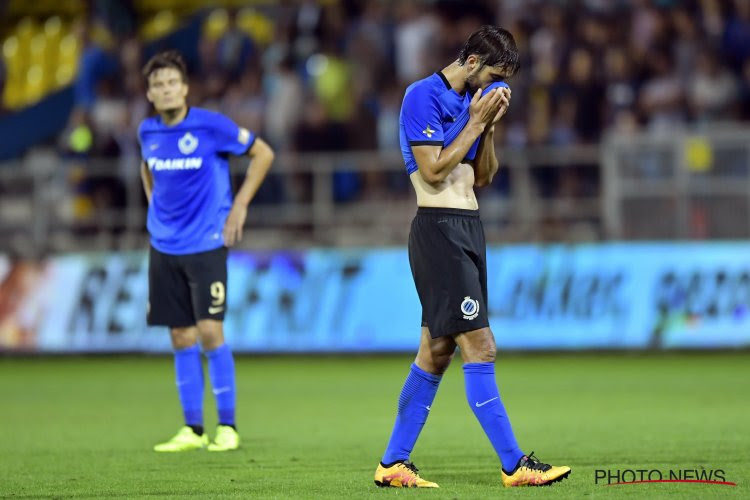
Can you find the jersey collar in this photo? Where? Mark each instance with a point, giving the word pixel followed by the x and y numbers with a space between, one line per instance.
pixel 445 80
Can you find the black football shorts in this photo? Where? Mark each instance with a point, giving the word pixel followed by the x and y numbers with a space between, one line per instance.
pixel 448 259
pixel 183 289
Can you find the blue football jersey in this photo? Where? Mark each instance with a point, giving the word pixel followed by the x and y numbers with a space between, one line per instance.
pixel 192 193
pixel 432 113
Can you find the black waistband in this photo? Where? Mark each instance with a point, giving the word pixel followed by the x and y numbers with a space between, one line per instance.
pixel 447 211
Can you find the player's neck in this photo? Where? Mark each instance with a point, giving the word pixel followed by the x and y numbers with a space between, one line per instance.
pixel 173 116
pixel 456 76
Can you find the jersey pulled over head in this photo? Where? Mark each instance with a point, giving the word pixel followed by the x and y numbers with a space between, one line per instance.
pixel 433 113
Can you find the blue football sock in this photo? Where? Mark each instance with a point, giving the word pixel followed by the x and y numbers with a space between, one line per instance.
pixel 413 408
pixel 189 375
pixel 221 371
pixel 484 399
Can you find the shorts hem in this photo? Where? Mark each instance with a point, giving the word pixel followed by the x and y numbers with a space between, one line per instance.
pixel 170 324
pixel 215 318
pixel 452 332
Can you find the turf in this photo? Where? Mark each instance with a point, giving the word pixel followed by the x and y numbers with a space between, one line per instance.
pixel 316 427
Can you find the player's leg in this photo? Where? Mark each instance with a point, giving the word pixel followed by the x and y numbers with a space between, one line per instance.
pixel 414 404
pixel 468 321
pixel 433 358
pixel 417 395
pixel 453 298
pixel 189 375
pixel 478 352
pixel 189 378
pixel 207 273
pixel 170 305
pixel 222 374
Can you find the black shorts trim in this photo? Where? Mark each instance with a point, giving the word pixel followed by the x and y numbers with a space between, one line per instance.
pixel 460 212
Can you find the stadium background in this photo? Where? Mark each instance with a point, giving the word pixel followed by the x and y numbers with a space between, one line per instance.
pixel 620 223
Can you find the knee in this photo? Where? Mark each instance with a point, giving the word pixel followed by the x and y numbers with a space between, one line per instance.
pixel 211 334
pixel 182 338
pixel 484 356
pixel 441 363
pixel 437 362
pixel 480 349
pixel 485 352
pixel 444 358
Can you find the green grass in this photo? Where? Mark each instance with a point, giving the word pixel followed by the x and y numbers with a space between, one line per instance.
pixel 316 427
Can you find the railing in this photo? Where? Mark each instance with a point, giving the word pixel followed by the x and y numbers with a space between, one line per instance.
pixel 682 186
pixel 641 187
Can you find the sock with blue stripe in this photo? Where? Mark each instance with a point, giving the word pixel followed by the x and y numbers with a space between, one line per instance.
pixel 221 371
pixel 413 408
pixel 484 399
pixel 189 377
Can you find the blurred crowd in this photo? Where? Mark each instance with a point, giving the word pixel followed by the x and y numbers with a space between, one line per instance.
pixel 330 76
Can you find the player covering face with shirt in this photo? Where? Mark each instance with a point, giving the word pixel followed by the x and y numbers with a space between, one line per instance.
pixel 447 127
pixel 193 217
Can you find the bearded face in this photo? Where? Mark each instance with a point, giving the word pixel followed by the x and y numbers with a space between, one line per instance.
pixel 481 75
pixel 473 82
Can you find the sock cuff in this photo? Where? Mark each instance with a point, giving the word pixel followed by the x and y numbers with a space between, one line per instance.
pixel 219 350
pixel 431 377
pixel 195 348
pixel 485 368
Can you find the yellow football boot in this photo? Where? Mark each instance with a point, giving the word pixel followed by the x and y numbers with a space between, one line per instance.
pixel 226 439
pixel 401 475
pixel 531 472
pixel 184 440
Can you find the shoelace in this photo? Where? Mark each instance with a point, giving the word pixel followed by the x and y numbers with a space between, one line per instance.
pixel 411 467
pixel 533 463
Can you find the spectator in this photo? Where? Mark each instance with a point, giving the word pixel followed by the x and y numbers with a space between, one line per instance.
pixel 285 93
pixel 712 90
pixel 661 99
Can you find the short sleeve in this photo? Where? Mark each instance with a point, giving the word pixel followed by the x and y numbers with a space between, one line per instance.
pixel 420 116
pixel 231 138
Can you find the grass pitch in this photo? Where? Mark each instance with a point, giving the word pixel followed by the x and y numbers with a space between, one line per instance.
pixel 315 427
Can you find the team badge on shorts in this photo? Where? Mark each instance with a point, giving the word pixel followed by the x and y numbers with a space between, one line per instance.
pixel 187 143
pixel 470 308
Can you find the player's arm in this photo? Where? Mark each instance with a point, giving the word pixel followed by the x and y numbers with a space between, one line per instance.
pixel 148 180
pixel 486 164
pixel 261 157
pixel 435 163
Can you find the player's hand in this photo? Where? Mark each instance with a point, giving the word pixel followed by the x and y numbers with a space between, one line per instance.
pixel 483 109
pixel 504 103
pixel 233 227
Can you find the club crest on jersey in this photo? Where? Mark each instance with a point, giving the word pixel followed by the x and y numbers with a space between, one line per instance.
pixel 187 143
pixel 470 308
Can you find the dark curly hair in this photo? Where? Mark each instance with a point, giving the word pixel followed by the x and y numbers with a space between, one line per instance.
pixel 494 46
